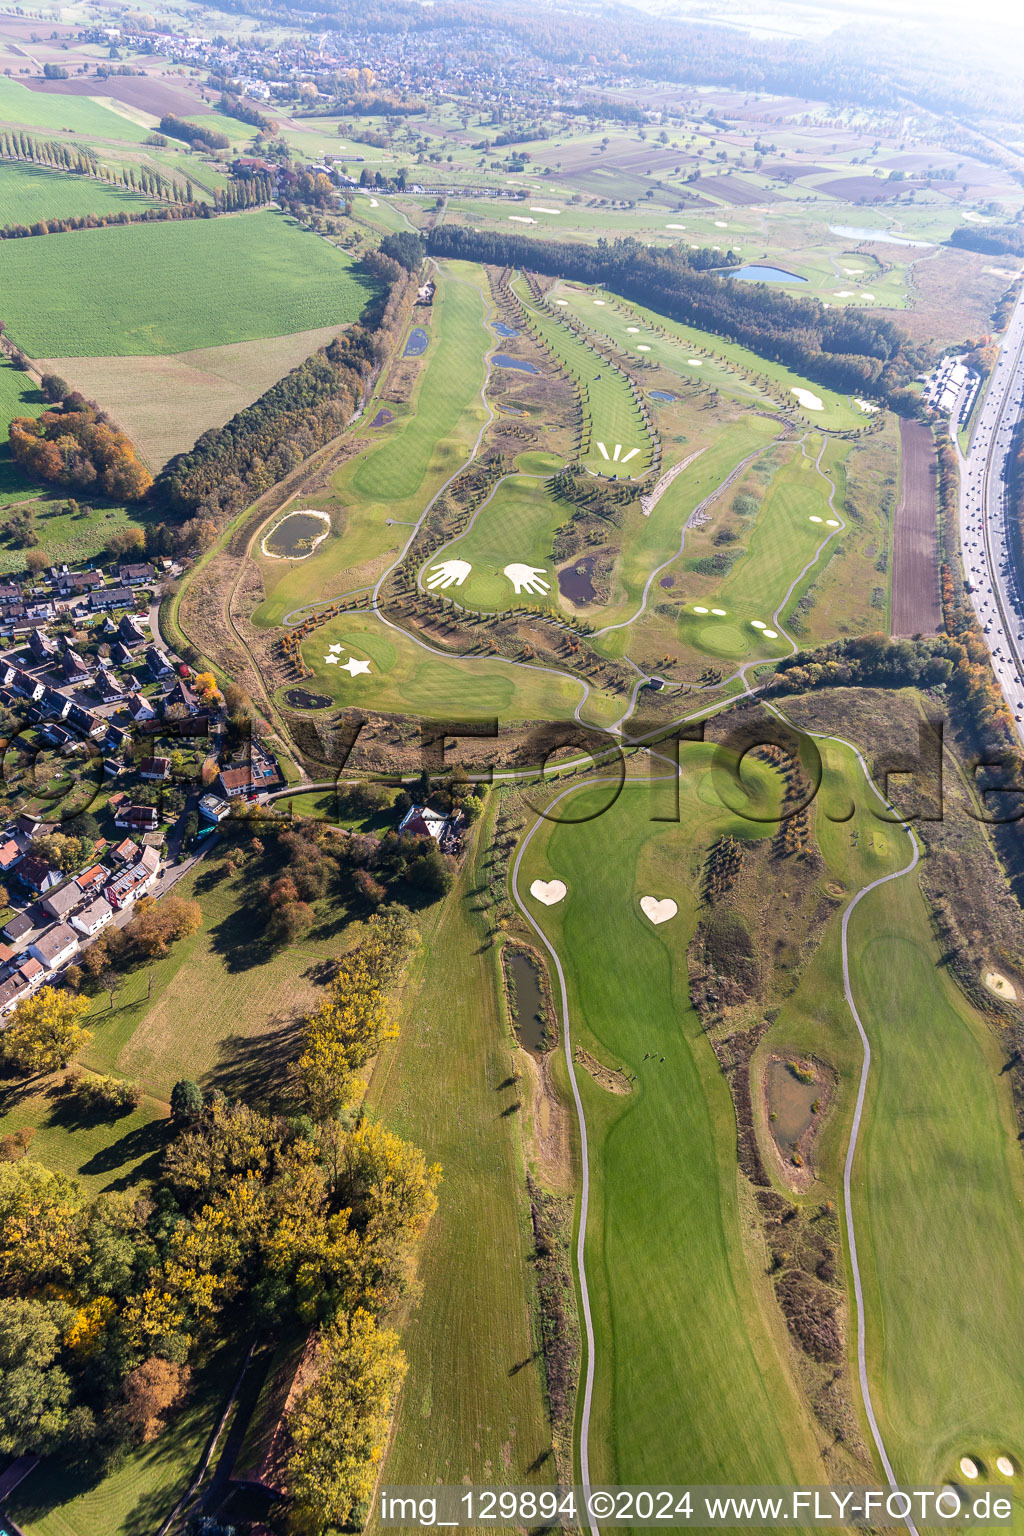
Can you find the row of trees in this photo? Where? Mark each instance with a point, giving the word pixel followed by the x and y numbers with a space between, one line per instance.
pixel 185 209
pixel 79 446
pixel 844 349
pixel 231 466
pixel 189 133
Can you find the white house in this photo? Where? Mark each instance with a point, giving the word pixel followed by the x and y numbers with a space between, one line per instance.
pixel 93 917
pixel 55 946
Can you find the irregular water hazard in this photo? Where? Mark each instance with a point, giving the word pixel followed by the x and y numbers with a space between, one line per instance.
pixel 757 273
pixel 527 1001
pixel 797 1091
pixel 296 536
pixel 576 581
pixel 503 360
pixel 417 343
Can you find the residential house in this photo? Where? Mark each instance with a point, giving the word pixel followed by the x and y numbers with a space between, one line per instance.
pixel 111 597
pixel 57 703
pixel 155 768
pixel 91 879
pixel 55 946
pixel 253 778
pixel 10 854
pixel 93 917
pixel 55 734
pixel 125 851
pixel 140 709
pixel 180 696
pixel 134 881
pixel 120 655
pixel 421 821
pixel 18 926
pixel 106 685
pixel 157 662
pixel 41 646
pixel 28 686
pixel 37 875
pixel 131 631
pixel 213 808
pixel 86 722
pixel 74 667
pixel 62 900
pixel 136 575
pixel 137 818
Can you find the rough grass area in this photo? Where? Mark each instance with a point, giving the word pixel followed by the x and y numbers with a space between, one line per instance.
pixel 18 397
pixel 31 192
pixel 472 1399
pixel 165 403
pixel 164 288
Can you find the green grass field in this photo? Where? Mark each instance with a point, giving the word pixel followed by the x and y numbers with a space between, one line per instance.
pixel 30 192
pixel 687 1372
pixel 63 115
pixel 160 288
pixel 18 397
pixel 468 1406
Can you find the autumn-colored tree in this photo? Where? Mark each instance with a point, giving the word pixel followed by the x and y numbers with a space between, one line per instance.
pixel 150 1391
pixel 156 925
pixel 339 1425
pixel 45 1031
pixel 206 686
pixel 42 1221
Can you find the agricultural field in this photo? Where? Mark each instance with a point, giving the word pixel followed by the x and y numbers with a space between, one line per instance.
pixel 162 289
pixel 65 115
pixel 31 192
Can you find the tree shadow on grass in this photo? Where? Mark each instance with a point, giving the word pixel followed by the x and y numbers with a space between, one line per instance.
pixel 238 939
pixel 259 1069
pixel 14 1090
pixel 143 1147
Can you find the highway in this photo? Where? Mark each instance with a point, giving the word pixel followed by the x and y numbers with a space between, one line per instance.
pixel 997 590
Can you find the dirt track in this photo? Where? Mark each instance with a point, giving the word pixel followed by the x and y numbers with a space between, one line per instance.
pixel 915 573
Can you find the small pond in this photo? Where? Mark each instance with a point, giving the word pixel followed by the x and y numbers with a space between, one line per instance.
pixel 667 581
pixel 297 535
pixel 417 343
pixel 790 1104
pixel 877 236
pixel 662 394
pixel 301 698
pixel 530 1015
pixel 502 360
pixel 576 582
pixel 507 331
pixel 760 274
pixel 382 417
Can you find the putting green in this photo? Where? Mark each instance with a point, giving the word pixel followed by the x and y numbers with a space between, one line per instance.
pixel 515 525
pixel 722 639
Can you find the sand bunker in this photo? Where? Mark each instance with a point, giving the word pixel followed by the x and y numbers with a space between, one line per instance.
pixel 869 296
pixel 844 293
pixel 831 522
pixel 700 610
pixel 866 406
pixel 536 208
pixel 658 911
pixel 634 330
pixel 1005 1466
pixel 721 224
pixel 718 612
pixel 853 271
pixel 641 347
pixel 695 362
pixel 675 226
pixel 561 303
pixel 520 218
pixel 816 519
pixel 600 303
pixel 770 634
pixel 758 624
pixel 808 401
pixel 968 1467
pixel 1000 985
pixel 550 892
